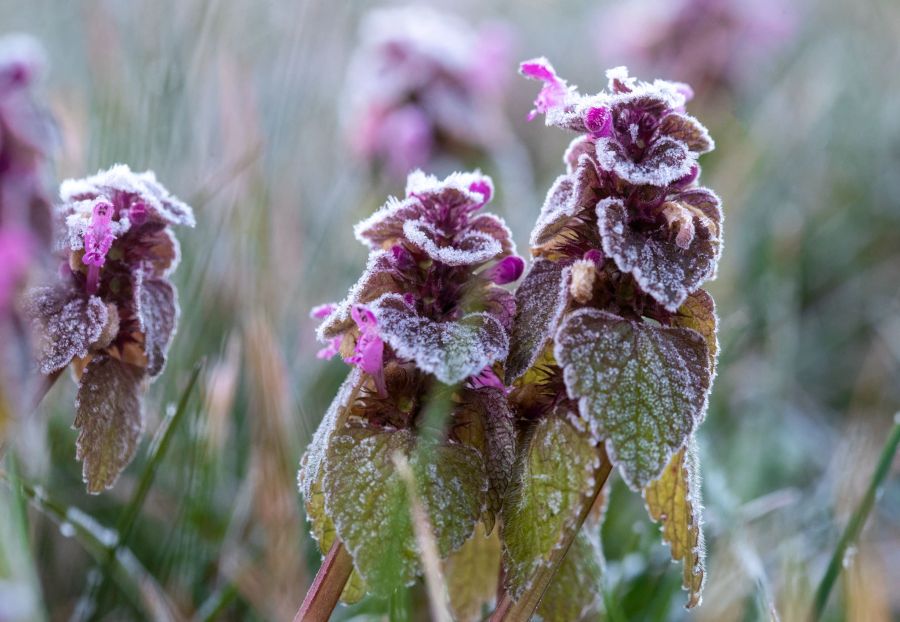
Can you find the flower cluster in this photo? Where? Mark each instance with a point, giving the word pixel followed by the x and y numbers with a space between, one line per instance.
pixel 112 311
pixel 26 138
pixel 427 318
pixel 613 335
pixel 422 84
pixel 716 44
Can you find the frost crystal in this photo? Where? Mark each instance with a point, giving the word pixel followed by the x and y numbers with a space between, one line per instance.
pixel 113 310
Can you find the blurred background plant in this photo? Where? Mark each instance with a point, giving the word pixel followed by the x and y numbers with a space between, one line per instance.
pixel 237 105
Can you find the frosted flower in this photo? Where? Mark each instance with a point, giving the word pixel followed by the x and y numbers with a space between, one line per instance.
pixel 421 84
pixel 630 189
pixel 112 312
pixel 424 295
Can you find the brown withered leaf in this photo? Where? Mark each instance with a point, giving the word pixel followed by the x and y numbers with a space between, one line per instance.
pixel 109 419
pixel 674 501
pixel 698 312
pixel 472 573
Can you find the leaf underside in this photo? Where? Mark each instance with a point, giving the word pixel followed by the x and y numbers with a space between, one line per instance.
pixel 574 593
pixel 471 574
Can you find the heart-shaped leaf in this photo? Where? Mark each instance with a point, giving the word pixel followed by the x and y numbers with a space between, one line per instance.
pixel 665 161
pixel 642 388
pixel 368 500
pixel 452 351
pixel 674 501
pixel 661 267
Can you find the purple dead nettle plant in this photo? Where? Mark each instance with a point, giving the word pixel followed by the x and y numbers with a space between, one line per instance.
pixel 426 324
pixel 423 85
pixel 27 137
pixel 613 347
pixel 111 312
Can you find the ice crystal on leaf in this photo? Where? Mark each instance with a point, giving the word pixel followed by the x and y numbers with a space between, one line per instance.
pixel 641 388
pixel 112 311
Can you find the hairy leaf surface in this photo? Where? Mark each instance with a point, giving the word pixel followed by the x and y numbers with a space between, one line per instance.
pixel 66 322
pixel 157 314
pixel 699 313
pixel 642 388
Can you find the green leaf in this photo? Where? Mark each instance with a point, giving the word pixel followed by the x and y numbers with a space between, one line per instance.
pixel 674 501
pixel 555 477
pixel 640 387
pixel 699 313
pixel 575 594
pixel 109 418
pixel 323 531
pixel 368 501
pixel 472 573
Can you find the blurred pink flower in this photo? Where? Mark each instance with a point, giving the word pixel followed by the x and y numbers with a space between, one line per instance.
pixel 422 83
pixel 15 255
pixel 714 44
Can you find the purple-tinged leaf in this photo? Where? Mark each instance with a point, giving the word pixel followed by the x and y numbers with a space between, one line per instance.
pixel 375 281
pixel 452 351
pixel 157 315
pixel 109 418
pixel 688 130
pixel 665 161
pixel 540 302
pixel 661 267
pixel 466 248
pixel 66 322
pixel 641 388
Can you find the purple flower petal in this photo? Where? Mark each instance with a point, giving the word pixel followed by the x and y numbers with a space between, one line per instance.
pixel 505 271
pixel 487 378
pixel 369 352
pixel 320 312
pixel 554 92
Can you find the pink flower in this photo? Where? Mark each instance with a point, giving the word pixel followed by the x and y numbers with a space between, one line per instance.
pixel 333 347
pixel 487 378
pixel 555 91
pixel 320 312
pixel 507 270
pixel 369 352
pixel 15 253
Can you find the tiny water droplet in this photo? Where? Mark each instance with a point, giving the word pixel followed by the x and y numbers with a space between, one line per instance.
pixel 67 530
pixel 849 555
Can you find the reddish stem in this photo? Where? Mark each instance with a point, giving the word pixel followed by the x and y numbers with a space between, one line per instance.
pixel 325 591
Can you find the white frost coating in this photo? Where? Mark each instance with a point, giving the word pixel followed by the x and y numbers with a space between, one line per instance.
pixel 339 319
pixel 671 93
pixel 666 160
pixel 419 182
pixel 452 351
pixel 158 312
pixel 661 268
pixel 641 388
pixel 471 247
pixel 78 219
pixel 687 129
pixel 66 323
pixel 120 178
pixel 541 299
pixel 312 461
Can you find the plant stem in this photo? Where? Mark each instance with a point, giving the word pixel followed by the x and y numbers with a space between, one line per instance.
pixel 854 527
pixel 325 591
pixel 520 611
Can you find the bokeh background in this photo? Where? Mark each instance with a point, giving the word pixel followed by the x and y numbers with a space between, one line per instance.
pixel 242 107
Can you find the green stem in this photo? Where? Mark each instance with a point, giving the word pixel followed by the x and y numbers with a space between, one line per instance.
pixel 857 521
